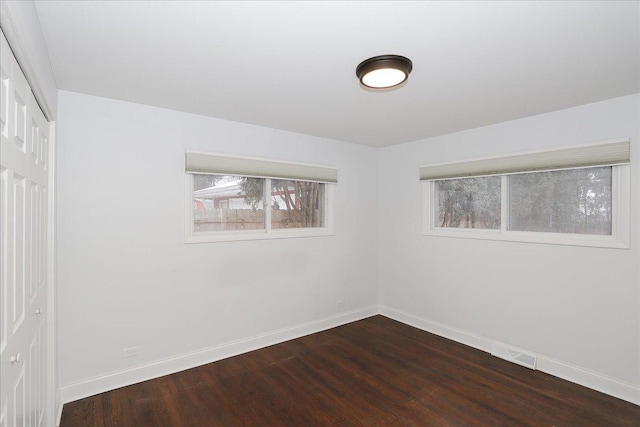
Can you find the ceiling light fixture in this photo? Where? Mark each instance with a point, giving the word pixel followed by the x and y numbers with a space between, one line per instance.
pixel 384 71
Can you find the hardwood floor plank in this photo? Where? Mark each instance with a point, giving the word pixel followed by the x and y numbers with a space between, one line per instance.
pixel 375 372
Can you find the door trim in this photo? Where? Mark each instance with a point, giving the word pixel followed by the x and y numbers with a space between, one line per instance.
pixel 53 391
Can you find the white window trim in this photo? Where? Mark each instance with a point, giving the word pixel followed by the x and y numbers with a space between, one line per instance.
pixel 264 234
pixel 619 238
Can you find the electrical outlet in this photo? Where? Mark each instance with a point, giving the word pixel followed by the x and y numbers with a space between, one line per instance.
pixel 340 304
pixel 129 352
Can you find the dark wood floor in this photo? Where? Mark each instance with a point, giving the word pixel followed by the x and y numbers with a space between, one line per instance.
pixel 375 372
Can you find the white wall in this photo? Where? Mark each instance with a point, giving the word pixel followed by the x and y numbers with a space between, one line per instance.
pixel 125 276
pixel 576 304
pixel 21 27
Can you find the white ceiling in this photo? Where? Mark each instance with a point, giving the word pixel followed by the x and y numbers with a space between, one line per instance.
pixel 291 65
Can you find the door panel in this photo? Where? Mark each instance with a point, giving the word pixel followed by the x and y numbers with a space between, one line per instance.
pixel 4 294
pixel 18 91
pixel 32 274
pixel 19 395
pixel 4 99
pixel 41 355
pixel 17 248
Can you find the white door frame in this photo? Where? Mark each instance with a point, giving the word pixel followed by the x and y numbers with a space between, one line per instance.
pixel 53 390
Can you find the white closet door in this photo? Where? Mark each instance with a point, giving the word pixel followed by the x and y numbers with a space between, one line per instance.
pixel 24 134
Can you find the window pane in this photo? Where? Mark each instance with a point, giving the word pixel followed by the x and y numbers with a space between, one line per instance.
pixel 468 203
pixel 297 204
pixel 568 201
pixel 225 202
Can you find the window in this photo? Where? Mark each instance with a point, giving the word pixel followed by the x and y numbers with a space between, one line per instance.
pixel 232 201
pixel 297 204
pixel 585 204
pixel 574 201
pixel 227 203
pixel 468 203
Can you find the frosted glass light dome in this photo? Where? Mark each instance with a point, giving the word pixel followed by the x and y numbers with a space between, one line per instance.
pixel 384 77
pixel 385 71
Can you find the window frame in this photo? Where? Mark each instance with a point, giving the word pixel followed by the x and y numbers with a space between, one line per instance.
pixel 619 238
pixel 263 234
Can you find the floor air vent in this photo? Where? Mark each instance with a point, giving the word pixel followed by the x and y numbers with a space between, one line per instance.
pixel 514 355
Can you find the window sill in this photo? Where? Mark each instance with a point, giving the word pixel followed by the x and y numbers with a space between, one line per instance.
pixel 235 236
pixel 532 237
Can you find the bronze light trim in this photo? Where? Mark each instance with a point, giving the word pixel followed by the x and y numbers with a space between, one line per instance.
pixel 384 71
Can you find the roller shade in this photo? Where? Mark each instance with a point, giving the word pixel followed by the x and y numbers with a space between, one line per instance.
pixel 225 165
pixel 600 154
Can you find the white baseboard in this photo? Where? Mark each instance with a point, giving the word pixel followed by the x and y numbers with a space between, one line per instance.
pixel 558 368
pixel 458 335
pixel 58 413
pixel 590 379
pixel 114 380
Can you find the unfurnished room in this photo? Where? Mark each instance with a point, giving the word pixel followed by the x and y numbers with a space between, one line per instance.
pixel 319 213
